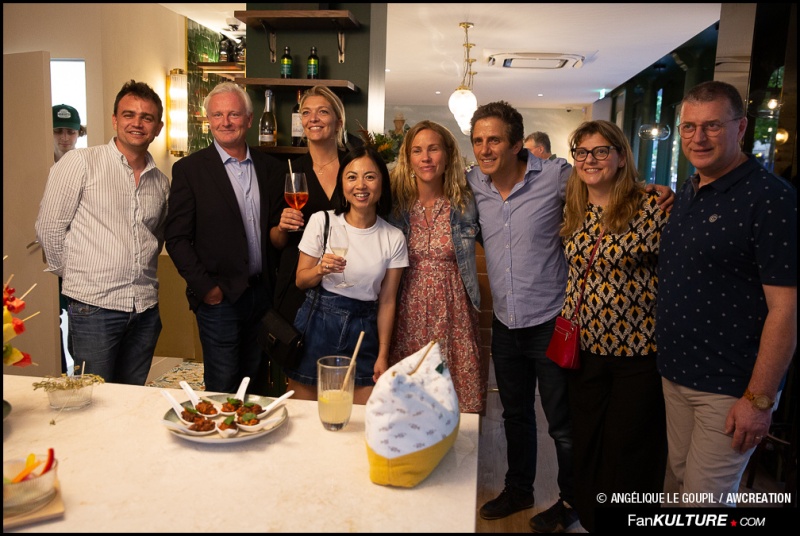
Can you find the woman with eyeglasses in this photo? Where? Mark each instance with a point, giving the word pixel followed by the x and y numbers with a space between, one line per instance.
pixel 616 402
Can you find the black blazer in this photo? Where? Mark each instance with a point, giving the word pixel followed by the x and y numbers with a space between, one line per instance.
pixel 205 235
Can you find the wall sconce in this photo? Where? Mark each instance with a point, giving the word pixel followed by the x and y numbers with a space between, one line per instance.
pixel 781 136
pixel 177 113
pixel 654 132
pixel 463 102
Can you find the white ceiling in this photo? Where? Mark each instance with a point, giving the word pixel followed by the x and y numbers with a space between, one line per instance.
pixel 425 53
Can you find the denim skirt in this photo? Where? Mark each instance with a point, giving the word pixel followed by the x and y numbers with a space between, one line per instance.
pixel 333 329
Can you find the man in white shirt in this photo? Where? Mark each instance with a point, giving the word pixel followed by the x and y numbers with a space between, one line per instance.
pixel 101 226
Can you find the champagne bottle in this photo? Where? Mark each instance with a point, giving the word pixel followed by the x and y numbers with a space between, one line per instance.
pixel 312 67
pixel 286 63
pixel 297 123
pixel 268 126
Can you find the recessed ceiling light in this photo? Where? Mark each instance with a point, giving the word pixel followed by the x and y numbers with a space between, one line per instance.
pixel 388 70
pixel 541 94
pixel 438 92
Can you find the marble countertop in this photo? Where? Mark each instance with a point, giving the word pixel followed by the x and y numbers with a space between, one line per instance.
pixel 122 471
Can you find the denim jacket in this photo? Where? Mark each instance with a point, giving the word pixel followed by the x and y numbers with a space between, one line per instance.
pixel 465 229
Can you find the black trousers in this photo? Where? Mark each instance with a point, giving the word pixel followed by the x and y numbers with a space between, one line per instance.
pixel 618 430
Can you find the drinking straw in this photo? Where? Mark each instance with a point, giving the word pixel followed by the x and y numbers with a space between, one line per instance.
pixel 352 362
pixel 290 166
pixel 427 351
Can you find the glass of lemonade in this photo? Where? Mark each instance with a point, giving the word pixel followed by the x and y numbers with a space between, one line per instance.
pixel 334 396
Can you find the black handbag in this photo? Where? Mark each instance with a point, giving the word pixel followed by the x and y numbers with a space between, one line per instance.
pixel 277 336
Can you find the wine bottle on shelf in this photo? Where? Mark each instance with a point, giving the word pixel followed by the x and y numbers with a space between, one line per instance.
pixel 286 63
pixel 297 123
pixel 312 67
pixel 268 125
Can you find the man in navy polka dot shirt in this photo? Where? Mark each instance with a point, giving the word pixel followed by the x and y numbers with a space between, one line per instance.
pixel 726 321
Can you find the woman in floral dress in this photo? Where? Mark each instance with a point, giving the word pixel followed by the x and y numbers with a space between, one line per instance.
pixel 439 296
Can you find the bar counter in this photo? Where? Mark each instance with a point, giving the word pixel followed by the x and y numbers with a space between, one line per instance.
pixel 121 470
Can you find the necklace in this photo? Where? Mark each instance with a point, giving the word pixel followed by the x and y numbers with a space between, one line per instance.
pixel 321 168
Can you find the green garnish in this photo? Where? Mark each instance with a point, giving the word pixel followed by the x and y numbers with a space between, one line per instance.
pixel 229 420
pixel 249 404
pixel 233 401
pixel 249 417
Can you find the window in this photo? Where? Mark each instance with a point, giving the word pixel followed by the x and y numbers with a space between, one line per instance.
pixel 68 86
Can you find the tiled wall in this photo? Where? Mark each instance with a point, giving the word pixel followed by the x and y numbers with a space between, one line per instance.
pixel 202 46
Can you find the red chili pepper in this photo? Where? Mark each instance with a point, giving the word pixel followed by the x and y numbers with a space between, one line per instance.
pixel 51 457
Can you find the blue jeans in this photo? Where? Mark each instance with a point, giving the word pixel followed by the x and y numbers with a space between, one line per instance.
pixel 519 360
pixel 334 329
pixel 116 345
pixel 228 336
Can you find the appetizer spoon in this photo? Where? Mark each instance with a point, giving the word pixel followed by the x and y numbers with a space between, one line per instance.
pixel 185 429
pixel 175 406
pixel 228 432
pixel 274 404
pixel 260 426
pixel 189 391
pixel 242 388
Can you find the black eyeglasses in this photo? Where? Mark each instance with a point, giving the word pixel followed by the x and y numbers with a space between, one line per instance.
pixel 600 152
pixel 710 129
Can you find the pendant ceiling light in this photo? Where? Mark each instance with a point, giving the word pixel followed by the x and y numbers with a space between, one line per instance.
pixel 462 102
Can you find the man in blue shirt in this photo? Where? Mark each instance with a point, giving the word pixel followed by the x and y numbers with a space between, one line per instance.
pixel 520 201
pixel 726 320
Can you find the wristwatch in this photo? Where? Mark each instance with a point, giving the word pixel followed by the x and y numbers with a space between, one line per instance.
pixel 761 402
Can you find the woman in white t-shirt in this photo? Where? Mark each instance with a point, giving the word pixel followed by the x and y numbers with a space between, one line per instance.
pixel 374 262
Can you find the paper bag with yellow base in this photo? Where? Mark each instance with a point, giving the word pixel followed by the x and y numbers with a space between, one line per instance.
pixel 411 419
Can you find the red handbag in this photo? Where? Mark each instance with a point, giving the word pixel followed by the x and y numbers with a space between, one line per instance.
pixel 565 344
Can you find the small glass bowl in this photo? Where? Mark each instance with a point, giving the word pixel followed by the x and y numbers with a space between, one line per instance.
pixel 70 398
pixel 29 494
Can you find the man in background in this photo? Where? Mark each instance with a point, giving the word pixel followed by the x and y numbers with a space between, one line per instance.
pixel 67 129
pixel 726 320
pixel 101 226
pixel 538 143
pixel 218 237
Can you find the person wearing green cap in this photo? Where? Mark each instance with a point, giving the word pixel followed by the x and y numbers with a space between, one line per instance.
pixel 67 129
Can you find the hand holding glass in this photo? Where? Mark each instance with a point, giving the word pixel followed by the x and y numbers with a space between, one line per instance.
pixel 339 243
pixel 296 192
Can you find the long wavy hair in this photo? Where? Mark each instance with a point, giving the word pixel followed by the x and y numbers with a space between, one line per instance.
pixel 335 103
pixel 626 193
pixel 404 184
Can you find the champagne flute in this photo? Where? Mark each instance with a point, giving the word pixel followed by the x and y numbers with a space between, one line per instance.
pixel 339 243
pixel 296 192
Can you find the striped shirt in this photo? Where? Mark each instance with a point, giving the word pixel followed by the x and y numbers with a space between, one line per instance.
pixel 100 232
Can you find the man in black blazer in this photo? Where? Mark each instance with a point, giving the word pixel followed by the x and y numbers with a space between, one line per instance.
pixel 218 237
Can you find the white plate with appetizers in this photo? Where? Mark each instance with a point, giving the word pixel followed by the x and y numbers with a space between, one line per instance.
pixel 280 413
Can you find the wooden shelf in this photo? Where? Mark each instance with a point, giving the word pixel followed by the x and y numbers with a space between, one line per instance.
pixel 226 69
pixel 299 19
pixel 282 149
pixel 295 83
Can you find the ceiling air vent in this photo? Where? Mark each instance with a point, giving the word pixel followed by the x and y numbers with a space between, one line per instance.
pixel 535 60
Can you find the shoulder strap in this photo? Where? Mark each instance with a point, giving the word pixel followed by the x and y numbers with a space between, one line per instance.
pixel 585 275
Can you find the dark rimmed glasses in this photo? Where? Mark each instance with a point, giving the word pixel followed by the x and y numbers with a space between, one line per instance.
pixel 600 152
pixel 710 129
